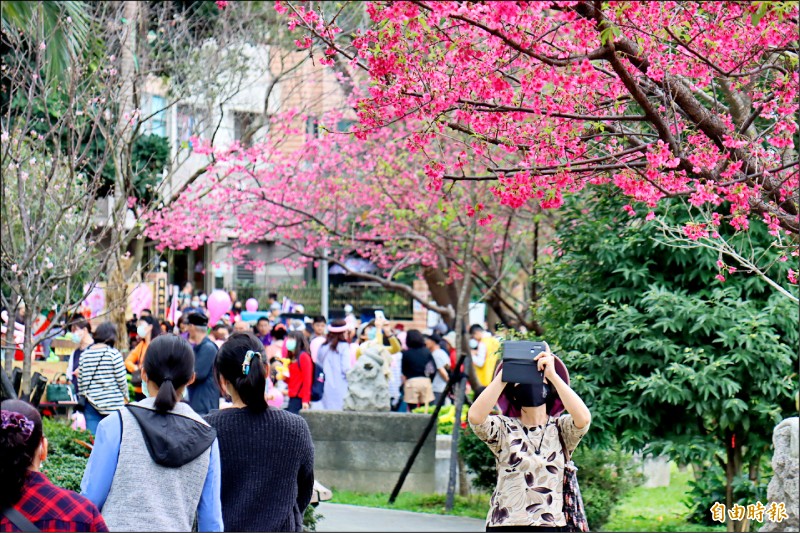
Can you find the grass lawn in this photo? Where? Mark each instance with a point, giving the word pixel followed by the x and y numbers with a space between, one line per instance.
pixel 473 506
pixel 657 509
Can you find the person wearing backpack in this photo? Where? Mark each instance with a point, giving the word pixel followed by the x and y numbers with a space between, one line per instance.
pixel 301 372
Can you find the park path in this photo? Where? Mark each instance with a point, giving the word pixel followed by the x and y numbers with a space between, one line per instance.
pixel 340 517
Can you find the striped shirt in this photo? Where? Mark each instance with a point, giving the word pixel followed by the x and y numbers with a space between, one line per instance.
pixel 103 379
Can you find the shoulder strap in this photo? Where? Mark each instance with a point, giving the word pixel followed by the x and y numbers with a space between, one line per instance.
pixel 19 520
pixel 99 361
pixel 567 455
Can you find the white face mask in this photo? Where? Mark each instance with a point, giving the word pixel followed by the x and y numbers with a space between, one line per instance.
pixel 473 344
pixel 141 331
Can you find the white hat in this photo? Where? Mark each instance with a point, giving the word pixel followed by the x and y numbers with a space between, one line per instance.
pixel 348 308
pixel 450 338
pixel 299 308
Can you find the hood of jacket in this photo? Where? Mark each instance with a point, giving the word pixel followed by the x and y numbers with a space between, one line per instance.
pixel 172 439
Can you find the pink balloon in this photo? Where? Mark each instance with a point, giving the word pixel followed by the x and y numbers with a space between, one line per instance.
pixel 251 305
pixel 275 398
pixel 219 303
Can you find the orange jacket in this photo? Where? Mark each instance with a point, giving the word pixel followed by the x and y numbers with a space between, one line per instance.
pixel 135 360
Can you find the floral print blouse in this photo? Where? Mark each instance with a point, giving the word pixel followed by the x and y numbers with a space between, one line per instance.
pixel 529 485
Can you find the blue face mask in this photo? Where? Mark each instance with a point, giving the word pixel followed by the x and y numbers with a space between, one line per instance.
pixel 371 333
pixel 291 344
pixel 76 337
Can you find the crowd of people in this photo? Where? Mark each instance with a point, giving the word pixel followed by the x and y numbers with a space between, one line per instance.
pixel 203 397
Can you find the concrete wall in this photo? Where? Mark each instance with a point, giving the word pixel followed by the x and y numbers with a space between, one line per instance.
pixel 367 451
pixel 443 443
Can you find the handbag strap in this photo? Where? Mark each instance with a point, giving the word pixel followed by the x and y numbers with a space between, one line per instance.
pixel 19 520
pixel 567 454
pixel 97 366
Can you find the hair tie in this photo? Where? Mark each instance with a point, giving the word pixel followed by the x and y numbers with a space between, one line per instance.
pixel 11 420
pixel 166 379
pixel 247 358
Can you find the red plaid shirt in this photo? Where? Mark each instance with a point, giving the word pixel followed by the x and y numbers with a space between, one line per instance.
pixel 51 508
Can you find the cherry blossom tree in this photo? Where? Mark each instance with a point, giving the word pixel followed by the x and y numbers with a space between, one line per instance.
pixel 55 243
pixel 662 99
pixel 335 195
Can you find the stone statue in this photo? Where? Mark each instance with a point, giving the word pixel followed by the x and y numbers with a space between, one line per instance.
pixel 783 486
pixel 368 382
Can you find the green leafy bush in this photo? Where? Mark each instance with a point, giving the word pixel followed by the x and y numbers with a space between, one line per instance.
pixel 66 458
pixel 604 476
pixel 709 488
pixel 479 460
pixel 310 518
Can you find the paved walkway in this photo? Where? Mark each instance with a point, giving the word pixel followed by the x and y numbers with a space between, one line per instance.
pixel 339 517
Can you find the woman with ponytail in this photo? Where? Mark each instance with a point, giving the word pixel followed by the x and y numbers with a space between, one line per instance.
pixel 267 454
pixel 28 501
pixel 160 441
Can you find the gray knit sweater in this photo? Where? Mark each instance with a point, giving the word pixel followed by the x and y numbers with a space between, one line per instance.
pixel 267 464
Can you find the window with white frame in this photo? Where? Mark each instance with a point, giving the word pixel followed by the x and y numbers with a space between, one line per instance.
pixel 158 122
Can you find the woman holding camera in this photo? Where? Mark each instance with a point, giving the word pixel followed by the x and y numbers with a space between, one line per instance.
pixel 527 441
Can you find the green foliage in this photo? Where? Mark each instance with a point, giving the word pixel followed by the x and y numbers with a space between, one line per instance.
pixel 709 488
pixel 66 459
pixel 657 508
pixel 45 22
pixel 479 460
pixel 310 518
pixel 604 476
pixel 473 506
pixel 667 358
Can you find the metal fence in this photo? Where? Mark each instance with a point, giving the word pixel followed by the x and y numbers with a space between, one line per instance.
pixel 363 297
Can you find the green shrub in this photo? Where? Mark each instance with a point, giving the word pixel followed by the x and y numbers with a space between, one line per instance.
pixel 66 458
pixel 709 488
pixel 310 518
pixel 604 476
pixel 479 460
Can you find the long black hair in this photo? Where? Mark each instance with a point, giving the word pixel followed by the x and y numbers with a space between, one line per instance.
pixel 20 436
pixel 169 363
pixel 230 358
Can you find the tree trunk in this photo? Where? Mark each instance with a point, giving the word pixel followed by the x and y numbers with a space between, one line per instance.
pixel 443 293
pixel 117 299
pixel 27 350
pixel 534 292
pixel 733 468
pixel 463 481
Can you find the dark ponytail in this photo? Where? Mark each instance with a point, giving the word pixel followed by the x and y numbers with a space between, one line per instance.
pixel 230 358
pixel 169 363
pixel 20 436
